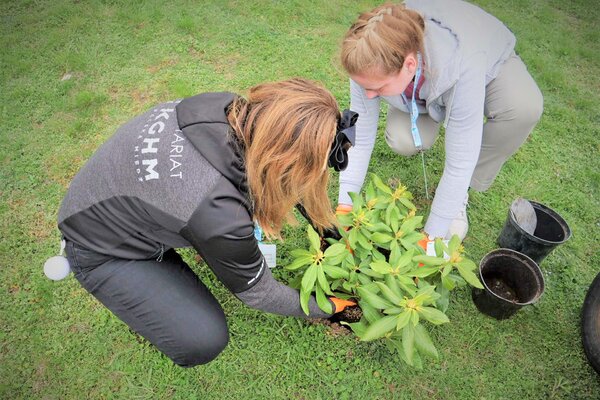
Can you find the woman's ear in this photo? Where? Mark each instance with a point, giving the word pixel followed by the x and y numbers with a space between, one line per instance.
pixel 410 63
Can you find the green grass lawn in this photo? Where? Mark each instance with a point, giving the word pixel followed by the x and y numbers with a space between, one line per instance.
pixel 73 71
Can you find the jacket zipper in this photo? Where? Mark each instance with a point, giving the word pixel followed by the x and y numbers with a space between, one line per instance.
pixel 162 252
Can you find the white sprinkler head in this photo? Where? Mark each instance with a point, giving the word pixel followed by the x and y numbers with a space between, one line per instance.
pixel 57 268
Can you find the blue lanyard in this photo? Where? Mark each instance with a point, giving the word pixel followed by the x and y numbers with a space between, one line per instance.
pixel 414 111
pixel 414 114
pixel 258 232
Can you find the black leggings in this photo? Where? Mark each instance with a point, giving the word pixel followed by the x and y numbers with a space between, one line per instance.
pixel 164 301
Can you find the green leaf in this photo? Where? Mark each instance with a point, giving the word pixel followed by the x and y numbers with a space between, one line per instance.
pixel 335 272
pixel 448 283
pixel 412 237
pixel 392 283
pixel 381 267
pixel 353 238
pixel 414 318
pixel 337 255
pixel 323 302
pixel 345 219
pixel 371 314
pixel 429 260
pixel 388 213
pixel 447 269
pixel 304 298
pixel 309 278
pixel 358 328
pixel 380 327
pixel 331 241
pixel 370 193
pixel 381 238
pixel 323 283
pixel 395 253
pixel 407 203
pixel 405 259
pixel 411 223
pixel 453 244
pixel 393 310
pixel 364 279
pixel 388 294
pixel 364 242
pixel 373 299
pixel 469 276
pixel 444 300
pixel 371 273
pixel 457 279
pixel 377 256
pixel 394 223
pixel 403 318
pixel 299 262
pixel 407 284
pixel 433 315
pixel 423 272
pixel 424 294
pixel 352 277
pixel 439 247
pixel 408 342
pixel 336 250
pixel 381 228
pixel 423 342
pixel 297 253
pixel 380 185
pixel 371 287
pixel 313 238
pixel 467 264
pixel 357 201
pixel 396 214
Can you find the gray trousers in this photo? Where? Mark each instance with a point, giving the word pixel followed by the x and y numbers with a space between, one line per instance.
pixel 164 301
pixel 513 106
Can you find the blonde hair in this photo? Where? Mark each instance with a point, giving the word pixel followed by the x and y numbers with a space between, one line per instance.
pixel 286 129
pixel 382 38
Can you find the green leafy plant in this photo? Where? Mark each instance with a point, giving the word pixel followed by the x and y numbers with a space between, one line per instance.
pixel 379 263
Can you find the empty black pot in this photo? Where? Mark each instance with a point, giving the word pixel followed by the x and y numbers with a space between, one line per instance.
pixel 550 231
pixel 511 280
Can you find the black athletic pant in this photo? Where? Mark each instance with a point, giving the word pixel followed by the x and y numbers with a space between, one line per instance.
pixel 164 301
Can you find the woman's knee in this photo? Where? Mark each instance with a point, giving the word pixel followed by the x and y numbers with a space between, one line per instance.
pixel 201 345
pixel 535 109
pixel 402 147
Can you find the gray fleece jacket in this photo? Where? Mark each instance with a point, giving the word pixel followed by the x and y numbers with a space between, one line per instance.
pixel 464 50
pixel 173 177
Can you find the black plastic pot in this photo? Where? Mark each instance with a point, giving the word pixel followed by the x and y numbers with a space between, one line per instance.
pixel 511 280
pixel 590 324
pixel 550 231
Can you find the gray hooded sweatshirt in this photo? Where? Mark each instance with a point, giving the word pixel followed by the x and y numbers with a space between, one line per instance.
pixel 174 177
pixel 464 50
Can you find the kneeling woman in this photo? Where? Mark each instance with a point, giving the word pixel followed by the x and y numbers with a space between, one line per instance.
pixel 199 172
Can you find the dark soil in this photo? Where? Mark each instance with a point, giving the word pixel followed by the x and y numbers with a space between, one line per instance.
pixel 333 328
pixel 350 315
pixel 500 288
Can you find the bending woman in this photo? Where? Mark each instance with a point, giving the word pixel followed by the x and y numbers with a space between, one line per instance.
pixel 465 67
pixel 199 172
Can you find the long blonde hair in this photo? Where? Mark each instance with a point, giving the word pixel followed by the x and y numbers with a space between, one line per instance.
pixel 287 129
pixel 382 38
